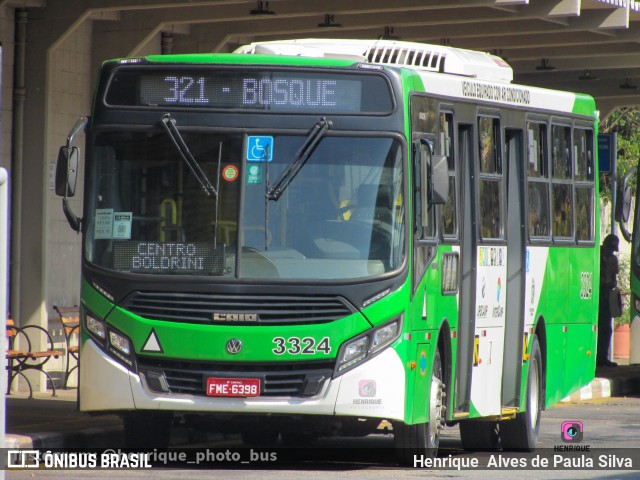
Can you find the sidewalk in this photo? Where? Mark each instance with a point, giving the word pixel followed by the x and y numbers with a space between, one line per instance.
pixel 45 421
pixel 54 422
pixel 617 381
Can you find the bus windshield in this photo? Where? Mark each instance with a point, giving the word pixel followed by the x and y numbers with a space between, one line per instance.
pixel 341 217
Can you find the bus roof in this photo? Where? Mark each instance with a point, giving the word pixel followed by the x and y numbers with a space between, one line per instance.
pixel 469 74
pixel 447 71
pixel 418 56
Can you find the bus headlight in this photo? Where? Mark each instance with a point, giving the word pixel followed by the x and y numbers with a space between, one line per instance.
pixel 120 346
pixel 110 340
pixel 119 342
pixel 367 345
pixel 384 336
pixel 636 303
pixel 96 327
pixel 354 352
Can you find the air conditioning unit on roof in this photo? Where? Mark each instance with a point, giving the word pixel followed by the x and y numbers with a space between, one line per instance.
pixel 419 56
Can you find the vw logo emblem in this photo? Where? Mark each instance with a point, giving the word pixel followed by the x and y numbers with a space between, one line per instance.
pixel 234 346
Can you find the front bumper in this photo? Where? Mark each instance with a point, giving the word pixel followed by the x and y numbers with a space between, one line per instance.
pixel 374 389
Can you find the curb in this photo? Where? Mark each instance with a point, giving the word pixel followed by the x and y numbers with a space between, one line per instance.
pixel 99 437
pixel 605 388
pixel 598 388
pixel 94 437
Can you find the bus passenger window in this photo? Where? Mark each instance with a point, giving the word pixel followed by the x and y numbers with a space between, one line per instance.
pixel 562 211
pixel 538 215
pixel 583 153
pixel 538 180
pixel 584 183
pixel 489 134
pixel 560 152
pixel 584 213
pixel 449 210
pixel 490 178
pixel 562 181
pixel 490 221
pixel 537 165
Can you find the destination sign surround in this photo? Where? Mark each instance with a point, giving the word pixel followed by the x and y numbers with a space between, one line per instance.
pixel 253 93
pixel 166 257
pixel 253 90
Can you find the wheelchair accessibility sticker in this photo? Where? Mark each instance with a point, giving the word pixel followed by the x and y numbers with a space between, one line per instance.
pixel 260 148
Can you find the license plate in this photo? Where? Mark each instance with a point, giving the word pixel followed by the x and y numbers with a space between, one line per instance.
pixel 233 387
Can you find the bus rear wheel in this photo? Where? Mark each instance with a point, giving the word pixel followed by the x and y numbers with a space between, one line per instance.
pixel 479 435
pixel 522 432
pixel 423 439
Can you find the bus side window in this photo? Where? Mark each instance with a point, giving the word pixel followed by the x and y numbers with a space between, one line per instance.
pixel 450 209
pixel 424 120
pixel 490 178
pixel 538 180
pixel 584 183
pixel 562 193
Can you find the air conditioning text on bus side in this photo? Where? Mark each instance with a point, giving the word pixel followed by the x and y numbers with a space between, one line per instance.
pixel 496 93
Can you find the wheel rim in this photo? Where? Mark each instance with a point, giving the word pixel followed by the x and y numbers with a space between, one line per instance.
pixel 534 394
pixel 436 395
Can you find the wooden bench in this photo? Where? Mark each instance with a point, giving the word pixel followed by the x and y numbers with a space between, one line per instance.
pixel 15 358
pixel 23 355
pixel 70 320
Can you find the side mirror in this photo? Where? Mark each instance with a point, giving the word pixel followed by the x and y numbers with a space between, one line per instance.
pixel 433 187
pixel 67 171
pixel 67 174
pixel 624 198
pixel 623 204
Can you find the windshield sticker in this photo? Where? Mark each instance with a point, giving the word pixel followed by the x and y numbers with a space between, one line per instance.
pixel 230 173
pixel 122 225
pixel 254 175
pixel 259 148
pixel 110 224
pixel 104 223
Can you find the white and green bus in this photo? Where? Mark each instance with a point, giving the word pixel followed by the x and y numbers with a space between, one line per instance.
pixel 304 238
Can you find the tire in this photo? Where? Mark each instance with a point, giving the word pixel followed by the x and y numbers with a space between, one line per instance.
pixel 291 438
pixel 423 439
pixel 522 432
pixel 147 429
pixel 479 435
pixel 260 436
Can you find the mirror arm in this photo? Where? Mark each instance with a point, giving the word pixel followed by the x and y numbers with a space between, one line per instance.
pixel 79 126
pixel 74 221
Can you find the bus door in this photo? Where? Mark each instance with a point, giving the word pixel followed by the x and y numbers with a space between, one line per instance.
pixel 484 270
pixel 466 317
pixel 516 268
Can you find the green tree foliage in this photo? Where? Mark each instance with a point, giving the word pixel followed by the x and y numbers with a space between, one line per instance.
pixel 626 122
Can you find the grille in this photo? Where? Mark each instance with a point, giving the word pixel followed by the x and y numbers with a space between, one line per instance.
pixel 271 309
pixel 290 379
pixel 414 55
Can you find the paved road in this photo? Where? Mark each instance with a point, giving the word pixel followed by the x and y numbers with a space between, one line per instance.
pixel 612 423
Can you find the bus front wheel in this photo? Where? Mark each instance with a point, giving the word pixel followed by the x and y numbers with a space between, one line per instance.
pixel 522 432
pixel 147 429
pixel 423 439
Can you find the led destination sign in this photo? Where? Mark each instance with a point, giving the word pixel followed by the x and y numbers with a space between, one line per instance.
pixel 274 91
pixel 253 93
pixel 166 257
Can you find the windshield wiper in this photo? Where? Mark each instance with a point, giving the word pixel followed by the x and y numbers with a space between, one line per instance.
pixel 169 125
pixel 319 130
